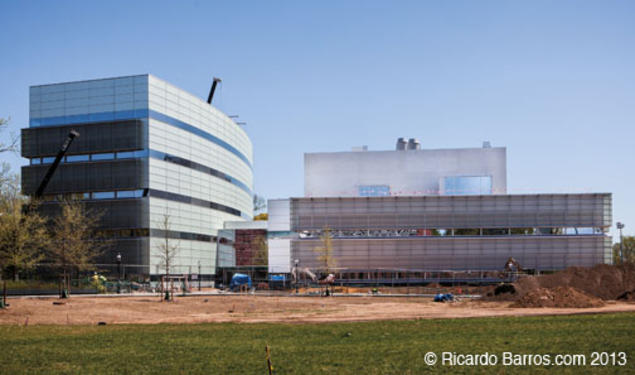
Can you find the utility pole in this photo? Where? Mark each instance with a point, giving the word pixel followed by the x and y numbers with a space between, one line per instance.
pixel 620 226
pixel 297 275
pixel 199 275
pixel 119 270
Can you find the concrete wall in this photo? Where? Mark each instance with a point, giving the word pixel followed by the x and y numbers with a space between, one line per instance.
pixel 410 172
pixel 279 236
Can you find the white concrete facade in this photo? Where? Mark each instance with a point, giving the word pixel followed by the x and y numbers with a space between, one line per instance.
pixel 168 138
pixel 279 237
pixel 402 172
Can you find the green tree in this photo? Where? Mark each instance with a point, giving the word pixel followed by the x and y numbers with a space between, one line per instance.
pixel 23 233
pixel 261 251
pixel 76 243
pixel 628 250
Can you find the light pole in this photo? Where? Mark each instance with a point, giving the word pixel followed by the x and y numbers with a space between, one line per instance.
pixel 297 275
pixel 119 270
pixel 199 275
pixel 620 226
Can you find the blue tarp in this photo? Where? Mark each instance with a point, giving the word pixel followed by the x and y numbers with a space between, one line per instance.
pixel 276 277
pixel 443 297
pixel 240 279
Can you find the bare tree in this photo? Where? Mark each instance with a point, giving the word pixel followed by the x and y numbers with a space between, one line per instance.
pixel 76 242
pixel 167 252
pixel 260 204
pixel 12 144
pixel 167 249
pixel 325 252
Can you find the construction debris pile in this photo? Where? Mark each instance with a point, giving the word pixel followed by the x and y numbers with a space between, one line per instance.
pixel 573 287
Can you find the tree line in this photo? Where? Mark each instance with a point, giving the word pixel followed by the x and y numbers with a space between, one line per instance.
pixel 67 243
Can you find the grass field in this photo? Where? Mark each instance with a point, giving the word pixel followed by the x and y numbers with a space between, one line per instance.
pixel 382 347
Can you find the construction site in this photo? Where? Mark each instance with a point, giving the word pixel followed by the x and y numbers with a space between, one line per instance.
pixel 401 233
pixel 600 289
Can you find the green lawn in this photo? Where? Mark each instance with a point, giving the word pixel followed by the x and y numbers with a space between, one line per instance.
pixel 395 347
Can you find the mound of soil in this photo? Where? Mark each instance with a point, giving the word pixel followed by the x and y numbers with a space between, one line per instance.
pixel 603 281
pixel 559 296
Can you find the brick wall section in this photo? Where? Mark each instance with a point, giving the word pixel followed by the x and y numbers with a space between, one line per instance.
pixel 244 245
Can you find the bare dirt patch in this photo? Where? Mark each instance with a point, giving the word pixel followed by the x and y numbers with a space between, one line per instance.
pixel 252 309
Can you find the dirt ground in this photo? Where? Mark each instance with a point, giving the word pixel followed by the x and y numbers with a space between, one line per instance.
pixel 253 309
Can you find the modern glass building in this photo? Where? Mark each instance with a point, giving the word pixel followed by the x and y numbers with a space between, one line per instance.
pixel 147 150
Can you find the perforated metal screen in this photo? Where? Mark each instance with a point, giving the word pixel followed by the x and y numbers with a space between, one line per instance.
pixel 437 212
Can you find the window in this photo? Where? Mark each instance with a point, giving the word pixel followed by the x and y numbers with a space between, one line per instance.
pixel 374 191
pixel 75 158
pixel 130 194
pixel 104 195
pixel 467 185
pixel 36 161
pixel 132 154
pixel 107 156
pixel 48 160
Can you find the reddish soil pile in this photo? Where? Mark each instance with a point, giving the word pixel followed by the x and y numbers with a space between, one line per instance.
pixel 559 296
pixel 603 281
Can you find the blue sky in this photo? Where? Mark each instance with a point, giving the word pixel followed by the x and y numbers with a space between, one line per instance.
pixel 554 82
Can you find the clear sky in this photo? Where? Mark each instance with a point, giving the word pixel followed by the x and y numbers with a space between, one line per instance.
pixel 553 81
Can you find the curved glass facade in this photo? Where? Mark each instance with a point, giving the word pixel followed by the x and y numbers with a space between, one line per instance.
pixel 140 133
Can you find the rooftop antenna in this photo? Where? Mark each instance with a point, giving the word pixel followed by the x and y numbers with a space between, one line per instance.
pixel 211 91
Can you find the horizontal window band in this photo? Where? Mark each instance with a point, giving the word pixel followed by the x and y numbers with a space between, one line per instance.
pixel 141 193
pixel 201 133
pixel 199 167
pixel 136 114
pixel 161 233
pixel 121 233
pixel 452 233
pixel 455 237
pixel 196 202
pixel 139 154
pixel 96 195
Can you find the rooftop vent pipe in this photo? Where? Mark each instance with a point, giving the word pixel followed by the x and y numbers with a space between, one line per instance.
pixel 413 144
pixel 401 144
pixel 211 91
